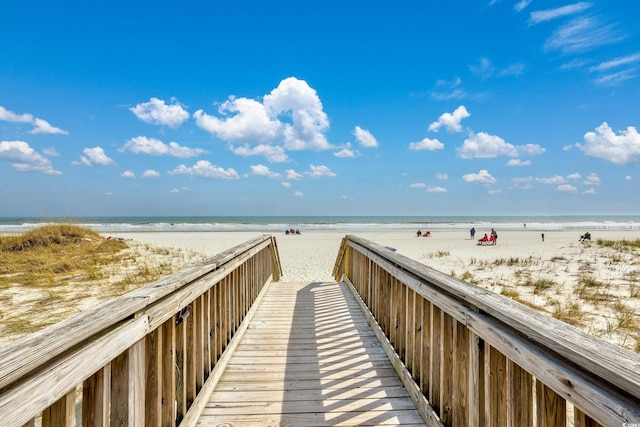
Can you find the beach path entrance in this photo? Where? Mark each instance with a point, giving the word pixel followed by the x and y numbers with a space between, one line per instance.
pixel 309 357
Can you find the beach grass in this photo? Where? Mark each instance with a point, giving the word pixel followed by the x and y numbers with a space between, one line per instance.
pixel 54 271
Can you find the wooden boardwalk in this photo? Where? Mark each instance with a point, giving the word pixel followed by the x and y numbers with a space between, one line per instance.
pixel 309 358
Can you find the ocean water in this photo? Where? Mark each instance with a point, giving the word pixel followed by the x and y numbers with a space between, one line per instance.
pixel 277 224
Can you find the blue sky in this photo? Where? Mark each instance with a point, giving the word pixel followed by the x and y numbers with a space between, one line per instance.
pixel 319 108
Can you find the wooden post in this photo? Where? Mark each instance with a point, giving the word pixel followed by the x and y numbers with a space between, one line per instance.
pixel 62 413
pixel 153 391
pixel 127 391
pixel 96 398
pixel 168 373
pixel 551 409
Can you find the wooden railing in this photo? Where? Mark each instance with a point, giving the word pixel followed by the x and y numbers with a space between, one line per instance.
pixel 147 358
pixel 471 357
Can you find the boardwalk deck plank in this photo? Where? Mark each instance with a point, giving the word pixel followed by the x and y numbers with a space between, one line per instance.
pixel 309 358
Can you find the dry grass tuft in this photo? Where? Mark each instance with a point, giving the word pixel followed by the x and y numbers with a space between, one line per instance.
pixel 57 270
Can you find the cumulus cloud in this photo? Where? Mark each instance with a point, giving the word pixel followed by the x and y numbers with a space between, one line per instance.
pixel 592 179
pixel 23 158
pixel 155 147
pixel 554 180
pixel 95 157
pixel 436 190
pixel 442 176
pixel 484 146
pixel 346 152
pixel 482 177
pixel 262 170
pixel 273 153
pixel 566 188
pixel 292 175
pixel 451 121
pixel 590 191
pixel 418 185
pixel 204 169
pixel 51 152
pixel 41 126
pixel 365 138
pixel 150 173
pixel 574 176
pixel 426 144
pixel 157 112
pixel 518 162
pixel 621 148
pixel 290 115
pixel 298 194
pixel 286 184
pixel 319 171
pixel 128 174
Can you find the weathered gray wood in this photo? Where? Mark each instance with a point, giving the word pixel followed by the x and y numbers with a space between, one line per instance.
pixel 528 338
pixel 330 377
pixel 617 365
pixel 64 374
pixel 36 349
pixel 96 398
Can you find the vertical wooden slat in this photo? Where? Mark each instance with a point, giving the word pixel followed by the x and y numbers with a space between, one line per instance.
pixel 550 407
pixel 62 413
pixel 497 387
pixel 31 423
pixel 520 396
pixel 153 394
pixel 409 329
pixel 436 358
pixel 425 360
pixel 168 360
pixel 96 398
pixel 474 371
pixel 447 368
pixel 190 354
pixel 460 375
pixel 181 371
pixel 127 391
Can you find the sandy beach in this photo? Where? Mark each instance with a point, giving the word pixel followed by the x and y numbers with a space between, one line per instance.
pixel 592 287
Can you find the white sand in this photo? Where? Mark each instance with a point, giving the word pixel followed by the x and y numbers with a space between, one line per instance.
pixel 611 309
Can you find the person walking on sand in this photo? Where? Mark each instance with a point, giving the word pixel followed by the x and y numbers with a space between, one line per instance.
pixel 473 232
pixel 494 235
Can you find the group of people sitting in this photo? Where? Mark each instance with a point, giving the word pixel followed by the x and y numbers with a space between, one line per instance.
pixel 491 239
pixel 291 231
pixel 426 233
pixel 585 236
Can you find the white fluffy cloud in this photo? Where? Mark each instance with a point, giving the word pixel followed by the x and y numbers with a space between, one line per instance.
pixel 566 188
pixel 262 170
pixel 95 157
pixel 205 169
pixel 155 147
pixel 621 149
pixel 319 171
pixel 518 162
pixel 482 177
pixel 484 146
pixel 365 138
pixel 436 190
pixel 298 194
pixel 128 174
pixel 41 126
pixel 24 158
pixel 157 112
pixel 150 173
pixel 426 144
pixel 346 152
pixel 292 175
pixel 451 121
pixel 291 116
pixel 273 153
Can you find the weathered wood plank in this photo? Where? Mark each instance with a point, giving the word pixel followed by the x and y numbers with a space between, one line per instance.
pixel 337 375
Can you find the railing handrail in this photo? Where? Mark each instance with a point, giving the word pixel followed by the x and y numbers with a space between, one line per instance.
pixel 125 319
pixel 572 347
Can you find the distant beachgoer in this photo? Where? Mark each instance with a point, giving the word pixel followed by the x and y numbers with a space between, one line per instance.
pixel 419 233
pixel 494 236
pixel 543 237
pixel 473 232
pixel 525 226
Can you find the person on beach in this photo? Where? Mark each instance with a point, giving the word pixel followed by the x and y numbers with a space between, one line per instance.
pixel 419 233
pixel 543 237
pixel 494 236
pixel 473 232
